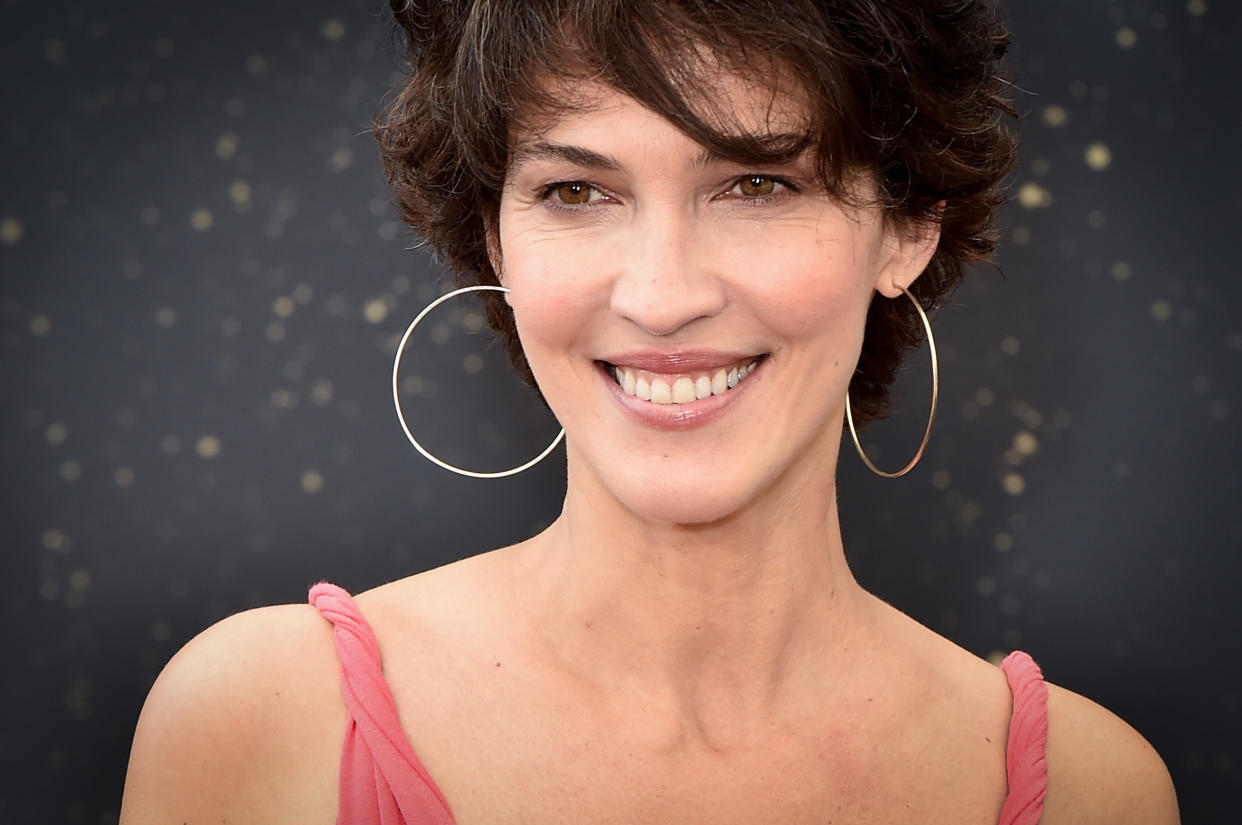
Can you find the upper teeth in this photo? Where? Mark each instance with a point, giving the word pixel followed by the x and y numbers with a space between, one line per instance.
pixel 682 388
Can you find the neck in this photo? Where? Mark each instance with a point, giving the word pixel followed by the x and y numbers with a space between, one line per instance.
pixel 716 631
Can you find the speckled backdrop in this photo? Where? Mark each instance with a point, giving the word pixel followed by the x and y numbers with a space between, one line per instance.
pixel 203 283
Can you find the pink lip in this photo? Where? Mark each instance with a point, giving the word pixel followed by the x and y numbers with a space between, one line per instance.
pixel 674 361
pixel 680 416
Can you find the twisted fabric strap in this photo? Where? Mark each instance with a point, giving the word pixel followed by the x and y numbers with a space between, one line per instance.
pixel 382 782
pixel 1028 734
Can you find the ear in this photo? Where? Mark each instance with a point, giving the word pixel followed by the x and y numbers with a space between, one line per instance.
pixel 491 231
pixel 907 251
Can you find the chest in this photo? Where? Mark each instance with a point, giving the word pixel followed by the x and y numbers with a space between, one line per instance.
pixel 629 788
pixel 542 760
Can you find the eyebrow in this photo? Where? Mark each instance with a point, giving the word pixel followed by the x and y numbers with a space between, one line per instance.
pixel 577 155
pixel 590 159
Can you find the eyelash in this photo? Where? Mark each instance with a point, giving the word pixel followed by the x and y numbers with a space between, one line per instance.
pixel 546 192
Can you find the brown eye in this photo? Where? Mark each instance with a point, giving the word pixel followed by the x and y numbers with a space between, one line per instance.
pixel 757 186
pixel 573 193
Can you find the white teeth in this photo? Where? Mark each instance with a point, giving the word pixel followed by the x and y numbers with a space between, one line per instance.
pixel 627 381
pixel 683 391
pixel 685 388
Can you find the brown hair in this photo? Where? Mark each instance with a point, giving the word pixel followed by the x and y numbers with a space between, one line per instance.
pixel 910 90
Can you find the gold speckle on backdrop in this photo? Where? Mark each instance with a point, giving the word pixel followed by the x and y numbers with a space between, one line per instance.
pixel 311 481
pixel 201 219
pixel 1055 115
pixel 56 433
pixel 1014 484
pixel 333 30
pixel 375 311
pixel 40 325
pixel 1098 156
pixel 10 230
pixel 208 446
pixel 1026 443
pixel 55 540
pixel 1033 196
pixel 321 392
pixel 239 192
pixel 341 159
pixel 226 145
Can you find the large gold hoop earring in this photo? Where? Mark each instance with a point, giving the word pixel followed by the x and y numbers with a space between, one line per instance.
pixel 396 398
pixel 935 364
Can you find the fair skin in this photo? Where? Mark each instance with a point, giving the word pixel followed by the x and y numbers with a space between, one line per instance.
pixel 686 642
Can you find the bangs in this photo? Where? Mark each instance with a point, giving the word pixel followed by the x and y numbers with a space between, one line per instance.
pixel 671 61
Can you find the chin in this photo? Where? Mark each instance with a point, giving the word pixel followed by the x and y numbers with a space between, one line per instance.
pixel 685 500
pixel 687 512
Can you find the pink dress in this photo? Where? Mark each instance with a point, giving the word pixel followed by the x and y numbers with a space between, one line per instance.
pixel 383 782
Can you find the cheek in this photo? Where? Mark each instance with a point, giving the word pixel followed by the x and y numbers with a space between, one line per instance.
pixel 813 292
pixel 553 293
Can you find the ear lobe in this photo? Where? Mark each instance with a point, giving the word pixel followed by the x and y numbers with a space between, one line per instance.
pixel 909 253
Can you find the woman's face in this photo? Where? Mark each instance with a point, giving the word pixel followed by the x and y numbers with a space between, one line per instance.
pixel 692 322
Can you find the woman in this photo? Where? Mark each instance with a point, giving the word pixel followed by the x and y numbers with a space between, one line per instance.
pixel 692 208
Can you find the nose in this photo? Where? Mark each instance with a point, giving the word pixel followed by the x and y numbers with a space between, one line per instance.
pixel 666 279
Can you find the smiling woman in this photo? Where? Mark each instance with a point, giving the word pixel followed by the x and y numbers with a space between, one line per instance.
pixel 703 230
pixel 696 281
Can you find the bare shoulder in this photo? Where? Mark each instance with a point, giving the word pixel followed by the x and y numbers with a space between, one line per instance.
pixel 243 724
pixel 1101 770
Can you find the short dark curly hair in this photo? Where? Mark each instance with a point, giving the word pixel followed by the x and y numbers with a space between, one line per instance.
pixel 912 91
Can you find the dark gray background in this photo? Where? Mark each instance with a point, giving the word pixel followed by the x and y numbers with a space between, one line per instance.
pixel 203 283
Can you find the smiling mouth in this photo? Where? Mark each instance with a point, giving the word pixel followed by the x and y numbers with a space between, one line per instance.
pixel 680 388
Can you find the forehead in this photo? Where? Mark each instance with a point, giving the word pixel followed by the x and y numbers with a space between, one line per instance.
pixel 732 106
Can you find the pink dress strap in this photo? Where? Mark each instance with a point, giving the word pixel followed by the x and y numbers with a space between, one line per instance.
pixel 1028 734
pixel 382 782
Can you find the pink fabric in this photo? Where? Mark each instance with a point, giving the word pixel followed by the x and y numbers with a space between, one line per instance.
pixel 1028 733
pixel 383 782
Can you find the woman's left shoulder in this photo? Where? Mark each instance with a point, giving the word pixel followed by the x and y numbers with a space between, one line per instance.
pixel 1100 769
